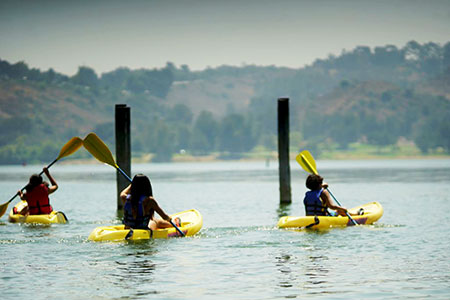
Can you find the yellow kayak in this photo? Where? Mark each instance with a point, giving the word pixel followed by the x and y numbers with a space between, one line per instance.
pixel 191 223
pixel 55 217
pixel 372 212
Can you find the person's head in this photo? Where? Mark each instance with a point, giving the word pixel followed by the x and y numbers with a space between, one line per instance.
pixel 35 180
pixel 140 186
pixel 314 182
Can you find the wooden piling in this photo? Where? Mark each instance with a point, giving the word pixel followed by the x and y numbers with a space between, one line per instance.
pixel 283 151
pixel 123 148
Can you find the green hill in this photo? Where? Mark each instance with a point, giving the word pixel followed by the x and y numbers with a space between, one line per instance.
pixel 369 96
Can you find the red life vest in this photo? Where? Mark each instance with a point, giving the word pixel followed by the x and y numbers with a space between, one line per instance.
pixel 38 201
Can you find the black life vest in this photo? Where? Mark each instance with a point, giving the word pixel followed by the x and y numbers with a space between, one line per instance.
pixel 313 204
pixel 141 220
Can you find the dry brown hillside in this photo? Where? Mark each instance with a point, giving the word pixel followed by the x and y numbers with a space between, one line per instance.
pixel 220 96
pixel 58 107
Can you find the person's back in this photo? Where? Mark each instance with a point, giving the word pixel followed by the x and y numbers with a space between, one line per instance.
pixel 134 216
pixel 313 204
pixel 36 195
pixel 38 201
pixel 139 205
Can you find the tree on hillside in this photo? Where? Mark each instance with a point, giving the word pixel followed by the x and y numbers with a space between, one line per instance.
pixel 158 138
pixel 18 70
pixel 387 56
pixel 180 113
pixel 432 130
pixel 115 79
pixel 235 134
pixel 14 127
pixel 446 54
pixel 154 82
pixel 86 77
pixel 204 133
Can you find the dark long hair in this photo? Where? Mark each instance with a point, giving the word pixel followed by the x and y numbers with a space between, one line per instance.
pixel 314 182
pixel 35 180
pixel 140 186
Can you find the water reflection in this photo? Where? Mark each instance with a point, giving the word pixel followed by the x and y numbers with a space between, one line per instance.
pixel 284 210
pixel 135 270
pixel 307 272
pixel 283 264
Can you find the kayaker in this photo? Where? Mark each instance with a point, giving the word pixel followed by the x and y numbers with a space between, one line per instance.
pixel 36 194
pixel 318 199
pixel 139 206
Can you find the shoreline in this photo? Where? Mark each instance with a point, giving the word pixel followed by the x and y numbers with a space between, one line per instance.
pixel 215 158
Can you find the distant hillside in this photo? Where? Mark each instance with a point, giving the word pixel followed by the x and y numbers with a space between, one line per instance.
pixel 377 113
pixel 373 96
pixel 51 108
pixel 229 95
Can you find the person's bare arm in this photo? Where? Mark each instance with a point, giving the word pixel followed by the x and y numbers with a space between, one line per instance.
pixel 54 185
pixel 158 209
pixel 22 195
pixel 326 198
pixel 124 193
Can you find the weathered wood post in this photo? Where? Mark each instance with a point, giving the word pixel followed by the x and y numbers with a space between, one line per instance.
pixel 123 148
pixel 283 151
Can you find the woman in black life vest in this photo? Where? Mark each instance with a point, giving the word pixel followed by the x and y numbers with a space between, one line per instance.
pixel 139 206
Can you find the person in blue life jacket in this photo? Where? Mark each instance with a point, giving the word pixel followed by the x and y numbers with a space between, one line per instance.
pixel 317 201
pixel 139 206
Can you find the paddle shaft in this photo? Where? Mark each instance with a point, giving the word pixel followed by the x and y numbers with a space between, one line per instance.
pixel 123 173
pixel 348 215
pixel 22 189
pixel 315 172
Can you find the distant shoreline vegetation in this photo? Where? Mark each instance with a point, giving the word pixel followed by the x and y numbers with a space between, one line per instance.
pixel 380 98
pixel 356 151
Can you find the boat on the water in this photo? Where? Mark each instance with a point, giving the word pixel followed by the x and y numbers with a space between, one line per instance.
pixel 191 223
pixel 371 212
pixel 55 217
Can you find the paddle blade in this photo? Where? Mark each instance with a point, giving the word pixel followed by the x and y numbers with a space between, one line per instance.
pixel 307 162
pixel 99 150
pixel 3 208
pixel 70 147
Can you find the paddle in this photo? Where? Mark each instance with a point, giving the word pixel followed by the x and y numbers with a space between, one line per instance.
pixel 100 151
pixel 307 162
pixel 69 148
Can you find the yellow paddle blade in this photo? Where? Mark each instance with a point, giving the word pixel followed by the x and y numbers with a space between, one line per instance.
pixel 307 162
pixel 70 147
pixel 99 150
pixel 3 208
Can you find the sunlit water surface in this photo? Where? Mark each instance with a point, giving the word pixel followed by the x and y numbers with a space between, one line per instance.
pixel 239 253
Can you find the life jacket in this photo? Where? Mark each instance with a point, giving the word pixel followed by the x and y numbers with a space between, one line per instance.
pixel 313 204
pixel 38 201
pixel 141 220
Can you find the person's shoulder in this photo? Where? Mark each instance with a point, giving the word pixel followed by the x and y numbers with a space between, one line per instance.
pixel 149 200
pixel 324 192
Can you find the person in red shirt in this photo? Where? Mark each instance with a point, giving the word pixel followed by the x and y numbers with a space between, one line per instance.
pixel 36 194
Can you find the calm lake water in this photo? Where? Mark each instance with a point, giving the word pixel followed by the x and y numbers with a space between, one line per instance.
pixel 239 253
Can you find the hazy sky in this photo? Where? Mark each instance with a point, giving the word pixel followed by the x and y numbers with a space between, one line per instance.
pixel 106 34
